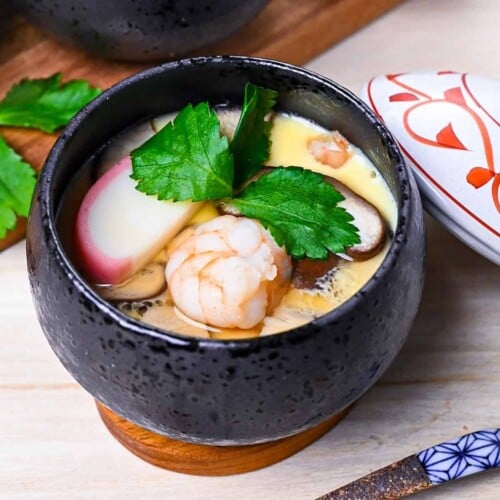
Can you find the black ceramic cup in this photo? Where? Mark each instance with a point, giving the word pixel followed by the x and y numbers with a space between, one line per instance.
pixel 213 391
pixel 140 30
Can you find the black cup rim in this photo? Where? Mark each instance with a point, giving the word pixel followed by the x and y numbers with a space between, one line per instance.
pixel 48 213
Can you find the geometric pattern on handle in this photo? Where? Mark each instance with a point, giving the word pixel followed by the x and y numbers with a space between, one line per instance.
pixel 475 452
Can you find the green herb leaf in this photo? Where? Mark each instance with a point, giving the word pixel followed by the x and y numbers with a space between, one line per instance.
pixel 187 159
pixel 45 104
pixel 17 181
pixel 300 210
pixel 250 145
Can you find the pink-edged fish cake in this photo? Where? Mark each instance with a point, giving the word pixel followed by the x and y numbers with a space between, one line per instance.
pixel 119 229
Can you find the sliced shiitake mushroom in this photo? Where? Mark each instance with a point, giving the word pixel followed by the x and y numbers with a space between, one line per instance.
pixel 306 272
pixel 117 149
pixel 372 232
pixel 228 119
pixel 166 318
pixel 371 226
pixel 158 122
pixel 159 311
pixel 146 283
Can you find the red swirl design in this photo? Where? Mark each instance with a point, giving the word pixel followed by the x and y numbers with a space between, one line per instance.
pixel 478 176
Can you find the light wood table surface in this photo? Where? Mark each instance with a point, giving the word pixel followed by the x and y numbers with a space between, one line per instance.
pixel 445 382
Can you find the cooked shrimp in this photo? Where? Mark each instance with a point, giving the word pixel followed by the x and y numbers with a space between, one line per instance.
pixel 228 272
pixel 332 149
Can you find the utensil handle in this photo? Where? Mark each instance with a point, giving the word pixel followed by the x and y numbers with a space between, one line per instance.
pixel 394 481
pixel 460 457
pixel 475 452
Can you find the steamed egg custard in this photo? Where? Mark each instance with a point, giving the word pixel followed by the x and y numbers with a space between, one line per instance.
pixel 290 136
pixel 205 268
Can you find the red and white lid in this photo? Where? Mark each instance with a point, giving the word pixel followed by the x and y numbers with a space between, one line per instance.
pixel 448 127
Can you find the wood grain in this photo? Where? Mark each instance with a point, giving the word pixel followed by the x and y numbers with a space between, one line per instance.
pixel 445 382
pixel 295 32
pixel 205 460
pixel 287 30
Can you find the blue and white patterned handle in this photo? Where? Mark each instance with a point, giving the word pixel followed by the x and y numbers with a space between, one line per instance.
pixel 475 452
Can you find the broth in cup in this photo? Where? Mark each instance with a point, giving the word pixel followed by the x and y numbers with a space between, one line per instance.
pixel 243 284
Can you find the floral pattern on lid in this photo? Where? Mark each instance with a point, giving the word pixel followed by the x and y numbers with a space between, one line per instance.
pixel 448 127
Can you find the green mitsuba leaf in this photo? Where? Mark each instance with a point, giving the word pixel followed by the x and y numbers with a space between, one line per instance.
pixel 186 160
pixel 17 182
pixel 45 103
pixel 301 211
pixel 251 143
pixel 190 160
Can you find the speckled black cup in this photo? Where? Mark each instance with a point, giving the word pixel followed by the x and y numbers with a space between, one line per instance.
pixel 140 30
pixel 211 391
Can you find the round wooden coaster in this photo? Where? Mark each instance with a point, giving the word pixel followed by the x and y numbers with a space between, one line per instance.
pixel 207 460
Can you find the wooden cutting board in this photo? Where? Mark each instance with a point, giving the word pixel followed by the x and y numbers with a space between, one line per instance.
pixel 287 30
